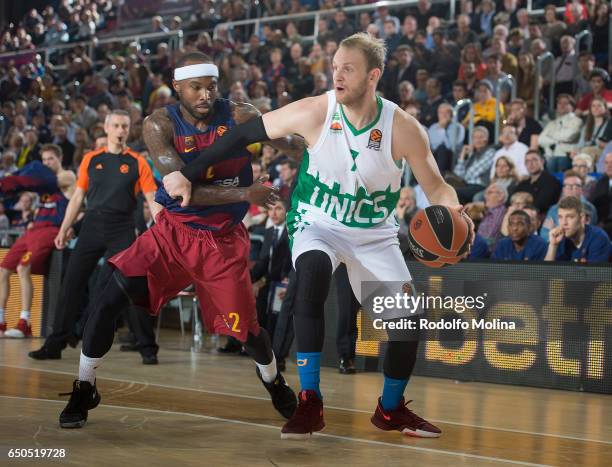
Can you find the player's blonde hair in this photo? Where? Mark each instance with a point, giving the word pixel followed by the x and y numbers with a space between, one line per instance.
pixel 374 49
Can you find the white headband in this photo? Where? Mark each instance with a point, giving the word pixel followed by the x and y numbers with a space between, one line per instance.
pixel 196 71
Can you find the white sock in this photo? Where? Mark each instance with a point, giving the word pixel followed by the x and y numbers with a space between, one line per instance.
pixel 1 315
pixel 269 371
pixel 87 368
pixel 25 314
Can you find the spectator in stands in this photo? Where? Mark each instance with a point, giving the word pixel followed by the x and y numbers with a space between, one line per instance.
pixel 102 94
pixel 572 187
pixel 473 165
pixel 446 59
pixel 8 163
pixel 527 127
pixel 485 18
pixel 583 164
pixel 559 137
pixel 392 36
pixel 565 66
pixel 31 149
pixel 445 137
pixel 287 178
pixel 484 107
pixel 509 62
pixel 586 64
pixel 536 218
pixel 84 115
pixel 544 187
pixel 516 42
pixel 518 200
pixel 463 35
pixel 429 109
pixel 420 92
pixel 157 25
pixel 600 28
pixel 60 137
pixel 494 72
pixel 406 94
pixel 320 84
pixel 409 31
pixel 505 173
pixel 405 70
pixel 594 134
pixel 553 28
pixel 602 196
pixel 521 244
pixel 57 34
pixel 598 81
pixel 381 15
pixel 574 240
pixel 341 27
pixel 479 249
pixel 512 148
pixel 490 226
pixel 471 54
pixel 406 208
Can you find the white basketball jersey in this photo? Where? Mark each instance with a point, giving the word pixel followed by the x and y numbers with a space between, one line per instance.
pixel 348 175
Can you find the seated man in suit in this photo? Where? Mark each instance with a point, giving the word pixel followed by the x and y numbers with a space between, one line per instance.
pixel 272 266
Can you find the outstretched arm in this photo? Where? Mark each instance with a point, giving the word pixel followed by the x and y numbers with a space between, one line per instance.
pixel 304 117
pixel 158 134
pixel 291 145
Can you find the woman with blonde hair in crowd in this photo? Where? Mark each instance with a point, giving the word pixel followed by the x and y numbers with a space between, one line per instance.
pixel 505 175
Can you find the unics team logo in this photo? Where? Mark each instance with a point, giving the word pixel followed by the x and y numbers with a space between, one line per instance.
pixel 335 126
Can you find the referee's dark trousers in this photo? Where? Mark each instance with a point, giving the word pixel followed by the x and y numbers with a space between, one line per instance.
pixel 102 235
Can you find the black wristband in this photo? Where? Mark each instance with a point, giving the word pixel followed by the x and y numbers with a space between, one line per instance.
pixel 234 140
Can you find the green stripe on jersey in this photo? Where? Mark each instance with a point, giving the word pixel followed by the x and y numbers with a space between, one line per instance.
pixel 361 209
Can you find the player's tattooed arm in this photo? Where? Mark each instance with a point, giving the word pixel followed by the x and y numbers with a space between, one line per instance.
pixel 158 135
pixel 293 145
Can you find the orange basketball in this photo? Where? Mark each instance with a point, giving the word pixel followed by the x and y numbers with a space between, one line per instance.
pixel 438 236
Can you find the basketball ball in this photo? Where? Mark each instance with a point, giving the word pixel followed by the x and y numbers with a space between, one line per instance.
pixel 438 236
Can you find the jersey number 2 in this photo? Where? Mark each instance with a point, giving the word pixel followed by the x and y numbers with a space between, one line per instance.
pixel 236 321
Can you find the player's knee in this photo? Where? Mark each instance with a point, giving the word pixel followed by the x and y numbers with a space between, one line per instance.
pixel 313 274
pixel 5 272
pixel 23 270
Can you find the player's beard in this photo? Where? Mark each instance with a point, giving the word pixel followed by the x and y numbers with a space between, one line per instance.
pixel 354 97
pixel 193 112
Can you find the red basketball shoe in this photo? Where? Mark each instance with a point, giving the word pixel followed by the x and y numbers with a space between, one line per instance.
pixel 307 419
pixel 405 420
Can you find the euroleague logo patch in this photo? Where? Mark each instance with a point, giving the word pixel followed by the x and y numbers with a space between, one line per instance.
pixel 221 130
pixel 124 168
pixel 375 139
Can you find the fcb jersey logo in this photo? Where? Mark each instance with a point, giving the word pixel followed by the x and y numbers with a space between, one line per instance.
pixel 375 139
pixel 99 167
pixel 221 130
pixel 124 168
pixel 190 144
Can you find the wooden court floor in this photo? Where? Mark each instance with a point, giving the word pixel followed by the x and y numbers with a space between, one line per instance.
pixel 204 409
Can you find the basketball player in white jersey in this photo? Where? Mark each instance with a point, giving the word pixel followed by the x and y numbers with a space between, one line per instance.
pixel 347 189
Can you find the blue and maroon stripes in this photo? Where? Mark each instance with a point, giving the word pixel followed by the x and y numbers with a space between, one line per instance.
pixel 234 171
